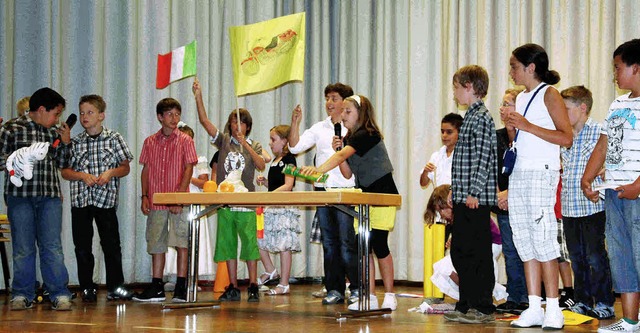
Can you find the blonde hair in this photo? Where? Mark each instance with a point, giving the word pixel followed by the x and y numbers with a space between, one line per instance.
pixel 438 200
pixel 23 105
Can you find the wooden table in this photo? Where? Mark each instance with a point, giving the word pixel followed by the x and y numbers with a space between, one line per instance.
pixel 344 201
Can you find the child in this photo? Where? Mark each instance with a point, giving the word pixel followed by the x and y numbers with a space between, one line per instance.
pixel 100 157
pixel 564 262
pixel 22 106
pixel 244 155
pixel 168 157
pixel 584 221
pixel 37 197
pixel 543 126
pixel 473 176
pixel 281 226
pixel 365 156
pixel 615 150
pixel 444 275
pixel 438 169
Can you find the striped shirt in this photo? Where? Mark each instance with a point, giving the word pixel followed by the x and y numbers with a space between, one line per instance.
pixel 574 161
pixel 22 132
pixel 95 155
pixel 474 168
pixel 166 157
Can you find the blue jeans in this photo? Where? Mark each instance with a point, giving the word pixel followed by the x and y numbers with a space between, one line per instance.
pixel 340 249
pixel 516 283
pixel 589 260
pixel 37 220
pixel 623 241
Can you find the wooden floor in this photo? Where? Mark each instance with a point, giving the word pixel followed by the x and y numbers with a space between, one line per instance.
pixel 297 312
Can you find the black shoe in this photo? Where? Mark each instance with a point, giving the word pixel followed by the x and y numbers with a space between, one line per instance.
pixel 566 300
pixel 179 295
pixel 153 293
pixel 511 307
pixel 119 293
pixel 89 295
pixel 333 297
pixel 231 293
pixel 253 290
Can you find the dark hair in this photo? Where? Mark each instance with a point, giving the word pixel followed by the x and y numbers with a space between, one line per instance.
pixel 578 95
pixel 245 117
pixel 475 75
pixel 167 104
pixel 629 52
pixel 438 200
pixel 186 130
pixel 535 54
pixel 454 119
pixel 366 117
pixel 342 89
pixel 46 97
pixel 95 100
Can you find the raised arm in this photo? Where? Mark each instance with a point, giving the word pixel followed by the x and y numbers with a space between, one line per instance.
pixel 294 133
pixel 202 113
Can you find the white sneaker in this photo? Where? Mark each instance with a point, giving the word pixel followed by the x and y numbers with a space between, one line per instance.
pixel 529 318
pixel 553 320
pixel 373 304
pixel 390 301
pixel 619 326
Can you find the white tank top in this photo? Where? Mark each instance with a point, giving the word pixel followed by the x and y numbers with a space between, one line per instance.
pixel 534 152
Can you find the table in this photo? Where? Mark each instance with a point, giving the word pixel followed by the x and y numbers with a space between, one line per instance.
pixel 341 200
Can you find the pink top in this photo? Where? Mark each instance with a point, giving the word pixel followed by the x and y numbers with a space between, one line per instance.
pixel 166 157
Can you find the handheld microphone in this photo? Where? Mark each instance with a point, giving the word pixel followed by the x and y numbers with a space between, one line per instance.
pixel 337 130
pixel 71 120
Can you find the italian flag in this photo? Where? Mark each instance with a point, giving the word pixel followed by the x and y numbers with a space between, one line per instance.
pixel 176 65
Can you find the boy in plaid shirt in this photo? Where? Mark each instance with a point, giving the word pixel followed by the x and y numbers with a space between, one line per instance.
pixel 100 157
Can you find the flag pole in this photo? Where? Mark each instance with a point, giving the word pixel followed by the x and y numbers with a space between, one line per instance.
pixel 238 122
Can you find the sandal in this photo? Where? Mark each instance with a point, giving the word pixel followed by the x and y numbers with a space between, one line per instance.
pixel 274 291
pixel 270 277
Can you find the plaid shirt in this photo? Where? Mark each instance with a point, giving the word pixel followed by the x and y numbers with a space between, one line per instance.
pixel 95 156
pixel 474 168
pixel 574 161
pixel 22 132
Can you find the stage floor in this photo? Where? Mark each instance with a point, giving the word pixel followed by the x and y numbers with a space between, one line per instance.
pixel 296 312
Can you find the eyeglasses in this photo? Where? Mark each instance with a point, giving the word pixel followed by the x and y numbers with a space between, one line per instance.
pixel 505 104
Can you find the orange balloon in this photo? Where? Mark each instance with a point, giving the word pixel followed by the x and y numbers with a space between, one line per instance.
pixel 210 186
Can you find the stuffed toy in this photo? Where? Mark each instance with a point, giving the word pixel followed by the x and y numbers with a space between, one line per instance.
pixel 20 162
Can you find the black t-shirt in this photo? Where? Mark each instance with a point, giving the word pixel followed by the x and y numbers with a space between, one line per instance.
pixel 275 176
pixel 363 141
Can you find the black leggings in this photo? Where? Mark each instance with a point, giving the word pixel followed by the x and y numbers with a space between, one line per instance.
pixel 378 241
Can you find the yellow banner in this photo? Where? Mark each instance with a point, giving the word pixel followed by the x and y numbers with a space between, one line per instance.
pixel 267 54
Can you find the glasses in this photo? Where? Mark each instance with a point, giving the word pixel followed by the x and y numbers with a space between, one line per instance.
pixel 505 104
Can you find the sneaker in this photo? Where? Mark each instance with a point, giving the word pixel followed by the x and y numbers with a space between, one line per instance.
pixel 619 326
pixel 373 304
pixel 20 303
pixel 506 307
pixel 453 316
pixel 580 308
pixel 390 301
pixel 231 294
pixel 322 293
pixel 89 295
pixel 62 303
pixel 529 318
pixel 474 316
pixel 553 320
pixel 179 295
pixel 354 296
pixel 153 293
pixel 601 312
pixel 253 291
pixel 119 293
pixel 333 297
pixel 566 301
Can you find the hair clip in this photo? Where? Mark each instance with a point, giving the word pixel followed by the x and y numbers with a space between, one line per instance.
pixel 356 98
pixel 181 124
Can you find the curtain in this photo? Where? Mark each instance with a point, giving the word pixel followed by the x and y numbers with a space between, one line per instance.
pixel 401 54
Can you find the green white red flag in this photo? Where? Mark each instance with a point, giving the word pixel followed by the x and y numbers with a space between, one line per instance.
pixel 176 65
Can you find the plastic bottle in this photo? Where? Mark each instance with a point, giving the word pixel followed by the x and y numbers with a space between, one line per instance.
pixel 292 170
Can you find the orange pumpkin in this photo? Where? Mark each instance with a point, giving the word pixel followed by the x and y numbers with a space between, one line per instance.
pixel 210 186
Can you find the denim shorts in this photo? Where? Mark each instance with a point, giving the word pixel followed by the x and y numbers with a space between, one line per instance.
pixel 622 234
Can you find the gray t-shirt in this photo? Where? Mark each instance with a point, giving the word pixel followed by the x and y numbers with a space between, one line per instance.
pixel 233 157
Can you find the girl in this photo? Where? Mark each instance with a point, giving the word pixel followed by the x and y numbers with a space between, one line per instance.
pixel 281 227
pixel 366 157
pixel 542 121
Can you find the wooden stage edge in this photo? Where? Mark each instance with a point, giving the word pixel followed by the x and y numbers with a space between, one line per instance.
pixel 301 198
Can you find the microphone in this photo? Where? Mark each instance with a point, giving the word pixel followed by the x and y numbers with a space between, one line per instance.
pixel 71 120
pixel 337 130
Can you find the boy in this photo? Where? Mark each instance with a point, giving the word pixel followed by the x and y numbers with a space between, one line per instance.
pixel 236 153
pixel 168 157
pixel 473 174
pixel 100 157
pixel 615 150
pixel 35 208
pixel 438 169
pixel 583 220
